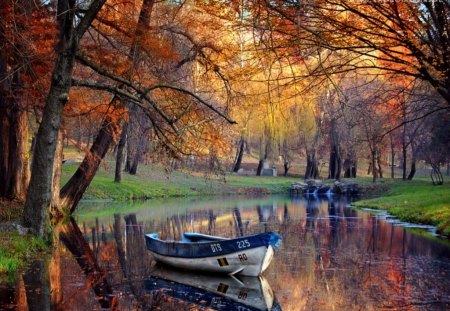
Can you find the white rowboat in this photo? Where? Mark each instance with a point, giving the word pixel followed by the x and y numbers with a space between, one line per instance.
pixel 249 255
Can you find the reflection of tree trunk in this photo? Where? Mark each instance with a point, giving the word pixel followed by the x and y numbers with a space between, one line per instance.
pixel 261 218
pixel 135 254
pixel 21 296
pixel 286 216
pixel 239 155
pixel 74 189
pixel 37 286
pixel 211 222
pixel 70 235
pixel 238 221
pixel 54 272
pixel 118 239
pixel 119 156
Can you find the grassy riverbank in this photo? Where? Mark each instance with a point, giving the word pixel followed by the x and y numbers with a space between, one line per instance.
pixel 153 182
pixel 15 249
pixel 416 202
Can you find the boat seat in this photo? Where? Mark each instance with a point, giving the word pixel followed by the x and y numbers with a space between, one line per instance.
pixel 190 237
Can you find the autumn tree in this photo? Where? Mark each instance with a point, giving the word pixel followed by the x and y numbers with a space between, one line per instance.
pixel 26 39
pixel 36 213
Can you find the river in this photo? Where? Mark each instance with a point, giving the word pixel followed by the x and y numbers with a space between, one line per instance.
pixel 332 258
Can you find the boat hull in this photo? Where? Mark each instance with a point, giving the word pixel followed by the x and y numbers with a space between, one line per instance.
pixel 248 255
pixel 250 262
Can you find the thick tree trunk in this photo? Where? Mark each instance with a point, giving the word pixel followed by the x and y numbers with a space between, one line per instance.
pixel 14 167
pixel 239 156
pixel 36 212
pixel 18 154
pixel 39 192
pixel 14 158
pixel 312 169
pixel 74 189
pixel 140 151
pixel 119 155
pixel 335 165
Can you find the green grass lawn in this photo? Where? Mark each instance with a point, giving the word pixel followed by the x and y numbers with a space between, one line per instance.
pixel 154 182
pixel 15 249
pixel 417 202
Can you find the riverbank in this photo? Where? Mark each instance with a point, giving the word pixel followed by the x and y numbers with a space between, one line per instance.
pixel 15 250
pixel 153 182
pixel 416 202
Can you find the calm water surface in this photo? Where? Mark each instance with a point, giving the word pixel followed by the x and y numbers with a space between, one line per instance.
pixel 332 258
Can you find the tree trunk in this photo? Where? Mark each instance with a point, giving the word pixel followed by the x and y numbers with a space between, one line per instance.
pixel 404 153
pixel 312 170
pixel 73 190
pixel 39 192
pixel 140 151
pixel 240 154
pixel 56 183
pixel 354 169
pixel 373 166
pixel 379 167
pixel 119 156
pixel 14 165
pixel 413 163
pixel 335 165
pixel 19 167
pixel 260 167
pixel 392 156
pixel 286 166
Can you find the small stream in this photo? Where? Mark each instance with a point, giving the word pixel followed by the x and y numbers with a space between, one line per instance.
pixel 332 258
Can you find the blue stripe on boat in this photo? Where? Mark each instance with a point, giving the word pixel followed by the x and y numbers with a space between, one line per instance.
pixel 210 247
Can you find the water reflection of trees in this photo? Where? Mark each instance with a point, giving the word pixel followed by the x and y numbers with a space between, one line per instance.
pixel 331 257
pixel 72 238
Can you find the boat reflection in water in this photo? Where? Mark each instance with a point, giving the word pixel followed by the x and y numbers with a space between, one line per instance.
pixel 219 292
